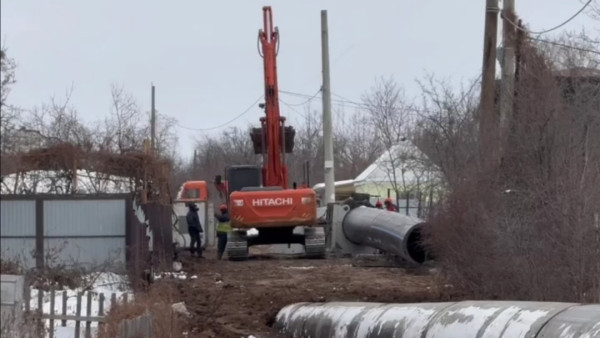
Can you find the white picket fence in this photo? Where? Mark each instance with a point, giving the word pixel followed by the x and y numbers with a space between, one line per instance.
pixel 140 326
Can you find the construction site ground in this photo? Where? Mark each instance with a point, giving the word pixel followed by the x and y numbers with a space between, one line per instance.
pixel 239 299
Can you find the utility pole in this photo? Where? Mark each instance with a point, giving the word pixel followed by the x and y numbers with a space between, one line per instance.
pixel 327 126
pixel 508 72
pixel 488 122
pixel 152 124
pixel 195 163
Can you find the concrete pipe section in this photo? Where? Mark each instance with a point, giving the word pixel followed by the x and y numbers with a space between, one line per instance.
pixel 391 232
pixel 467 319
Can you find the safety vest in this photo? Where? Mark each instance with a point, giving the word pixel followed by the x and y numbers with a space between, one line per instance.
pixel 223 227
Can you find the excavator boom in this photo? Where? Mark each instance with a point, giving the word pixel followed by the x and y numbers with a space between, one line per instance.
pixel 274 169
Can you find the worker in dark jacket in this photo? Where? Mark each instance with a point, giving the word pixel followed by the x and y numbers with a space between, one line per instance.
pixel 194 229
pixel 222 229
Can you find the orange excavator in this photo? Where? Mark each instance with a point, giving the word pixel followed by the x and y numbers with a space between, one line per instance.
pixel 259 196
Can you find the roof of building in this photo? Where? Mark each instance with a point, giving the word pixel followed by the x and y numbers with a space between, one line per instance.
pixel 402 159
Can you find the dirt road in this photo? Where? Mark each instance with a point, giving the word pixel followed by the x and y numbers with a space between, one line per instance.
pixel 235 299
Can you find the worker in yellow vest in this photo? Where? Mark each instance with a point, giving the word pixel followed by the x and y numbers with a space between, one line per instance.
pixel 222 230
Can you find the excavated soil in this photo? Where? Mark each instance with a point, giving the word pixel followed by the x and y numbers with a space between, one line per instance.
pixel 238 299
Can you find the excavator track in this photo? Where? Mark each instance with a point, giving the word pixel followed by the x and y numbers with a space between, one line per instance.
pixel 314 242
pixel 237 246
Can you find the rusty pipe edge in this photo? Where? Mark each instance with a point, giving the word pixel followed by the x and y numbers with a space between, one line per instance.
pixel 391 232
pixel 433 320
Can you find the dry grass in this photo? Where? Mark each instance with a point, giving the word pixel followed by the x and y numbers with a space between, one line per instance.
pixel 10 267
pixel 158 300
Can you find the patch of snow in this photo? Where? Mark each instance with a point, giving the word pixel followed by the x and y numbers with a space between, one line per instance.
pixel 181 308
pixel 97 283
pixel 173 275
pixel 299 267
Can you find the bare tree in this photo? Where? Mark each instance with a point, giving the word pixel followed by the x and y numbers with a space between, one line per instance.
pixel 7 77
pixel 8 115
pixel 446 130
pixel 356 143
pixel 572 50
pixel 391 118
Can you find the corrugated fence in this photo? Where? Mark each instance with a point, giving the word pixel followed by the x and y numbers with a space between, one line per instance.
pixel 108 231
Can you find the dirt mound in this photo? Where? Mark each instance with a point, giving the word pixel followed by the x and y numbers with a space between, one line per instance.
pixel 233 299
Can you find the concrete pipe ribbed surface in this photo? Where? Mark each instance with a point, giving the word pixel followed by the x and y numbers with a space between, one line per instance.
pixel 467 319
pixel 391 232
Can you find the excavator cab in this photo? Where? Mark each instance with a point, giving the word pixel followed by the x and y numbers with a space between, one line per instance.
pixel 243 176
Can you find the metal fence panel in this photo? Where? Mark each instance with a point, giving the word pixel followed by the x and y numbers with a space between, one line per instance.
pixel 19 250
pixel 17 218
pixel 11 304
pixel 107 253
pixel 84 218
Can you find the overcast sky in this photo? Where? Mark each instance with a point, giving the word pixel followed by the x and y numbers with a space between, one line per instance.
pixel 202 55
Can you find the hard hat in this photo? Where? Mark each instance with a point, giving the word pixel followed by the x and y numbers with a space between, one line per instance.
pixel 388 200
pixel 378 203
pixel 223 207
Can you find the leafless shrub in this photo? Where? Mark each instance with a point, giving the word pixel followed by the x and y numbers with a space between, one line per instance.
pixel 10 266
pixel 527 229
pixel 24 326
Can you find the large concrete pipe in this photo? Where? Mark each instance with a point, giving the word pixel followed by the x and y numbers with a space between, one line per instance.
pixel 391 232
pixel 467 319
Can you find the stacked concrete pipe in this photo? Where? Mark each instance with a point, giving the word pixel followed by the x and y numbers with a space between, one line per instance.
pixel 434 320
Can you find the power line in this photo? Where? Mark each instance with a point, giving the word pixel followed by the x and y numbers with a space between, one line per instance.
pixel 567 46
pixel 226 123
pixel 342 99
pixel 293 109
pixel 302 103
pixel 547 30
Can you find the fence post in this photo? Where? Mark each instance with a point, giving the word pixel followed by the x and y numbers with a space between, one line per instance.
pixel 101 306
pixel 52 294
pixel 88 323
pixel 64 307
pixel 78 314
pixel 39 232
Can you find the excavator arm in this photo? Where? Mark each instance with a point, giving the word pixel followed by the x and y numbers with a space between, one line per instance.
pixel 273 125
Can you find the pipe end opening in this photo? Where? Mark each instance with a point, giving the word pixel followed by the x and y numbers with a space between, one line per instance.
pixel 415 246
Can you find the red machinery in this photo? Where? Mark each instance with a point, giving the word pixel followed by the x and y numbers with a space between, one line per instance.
pixel 259 197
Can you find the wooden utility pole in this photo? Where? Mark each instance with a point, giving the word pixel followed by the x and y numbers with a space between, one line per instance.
pixel 488 121
pixel 508 72
pixel 152 124
pixel 327 124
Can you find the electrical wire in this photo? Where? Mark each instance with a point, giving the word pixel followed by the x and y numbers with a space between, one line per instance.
pixel 567 46
pixel 226 123
pixel 547 30
pixel 292 108
pixel 304 102
pixel 343 100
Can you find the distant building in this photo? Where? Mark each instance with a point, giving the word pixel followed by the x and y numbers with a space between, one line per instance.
pixel 22 141
pixel 414 176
